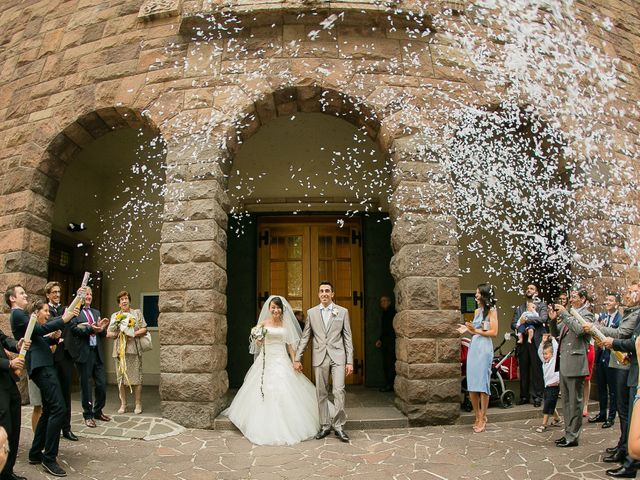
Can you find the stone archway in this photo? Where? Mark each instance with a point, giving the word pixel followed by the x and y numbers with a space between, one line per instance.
pixel 193 275
pixel 32 194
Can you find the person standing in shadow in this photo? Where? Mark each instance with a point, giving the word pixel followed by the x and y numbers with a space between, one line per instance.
pixel 387 342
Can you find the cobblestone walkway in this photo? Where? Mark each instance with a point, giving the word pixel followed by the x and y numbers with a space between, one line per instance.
pixel 510 450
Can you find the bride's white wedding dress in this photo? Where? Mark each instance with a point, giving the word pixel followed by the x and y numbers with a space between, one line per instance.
pixel 288 413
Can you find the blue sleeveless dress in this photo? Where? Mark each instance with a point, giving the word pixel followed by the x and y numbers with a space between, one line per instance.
pixel 479 360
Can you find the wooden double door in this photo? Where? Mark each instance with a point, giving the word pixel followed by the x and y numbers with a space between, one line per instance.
pixel 294 256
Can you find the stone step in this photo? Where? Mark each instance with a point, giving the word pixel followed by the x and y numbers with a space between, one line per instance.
pixel 359 418
pixel 372 418
pixel 517 412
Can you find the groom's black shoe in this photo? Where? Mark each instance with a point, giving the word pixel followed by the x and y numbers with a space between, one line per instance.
pixel 323 433
pixel 342 435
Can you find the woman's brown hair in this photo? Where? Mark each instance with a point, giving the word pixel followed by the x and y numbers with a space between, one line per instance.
pixel 123 293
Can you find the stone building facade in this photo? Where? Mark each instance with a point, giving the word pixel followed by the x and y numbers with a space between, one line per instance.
pixel 75 70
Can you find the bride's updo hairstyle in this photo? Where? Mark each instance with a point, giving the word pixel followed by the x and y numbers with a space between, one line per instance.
pixel 278 302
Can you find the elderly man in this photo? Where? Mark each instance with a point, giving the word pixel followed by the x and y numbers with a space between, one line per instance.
pixel 572 361
pixel 86 349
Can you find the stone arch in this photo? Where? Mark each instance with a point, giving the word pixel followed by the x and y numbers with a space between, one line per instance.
pixel 193 275
pixel 31 197
pixel 84 130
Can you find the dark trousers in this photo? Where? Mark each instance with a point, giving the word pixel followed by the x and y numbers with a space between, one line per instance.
pixel 531 380
pixel 629 462
pixel 64 369
pixel 388 349
pixel 606 387
pixel 92 369
pixel 622 403
pixel 10 419
pixel 47 434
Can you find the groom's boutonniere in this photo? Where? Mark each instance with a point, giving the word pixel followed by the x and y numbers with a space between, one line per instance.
pixel 334 313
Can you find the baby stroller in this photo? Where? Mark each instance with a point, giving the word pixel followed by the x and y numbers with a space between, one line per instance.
pixel 503 367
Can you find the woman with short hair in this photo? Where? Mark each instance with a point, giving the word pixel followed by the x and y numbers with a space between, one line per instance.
pixel 126 326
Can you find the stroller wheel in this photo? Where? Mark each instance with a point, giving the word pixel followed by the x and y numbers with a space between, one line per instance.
pixel 507 398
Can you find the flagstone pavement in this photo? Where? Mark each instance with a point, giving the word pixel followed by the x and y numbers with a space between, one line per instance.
pixel 507 450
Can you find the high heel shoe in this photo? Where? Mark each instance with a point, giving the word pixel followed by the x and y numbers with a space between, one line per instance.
pixel 481 427
pixel 123 408
pixel 138 409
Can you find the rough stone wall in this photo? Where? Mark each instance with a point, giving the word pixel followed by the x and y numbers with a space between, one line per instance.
pixel 74 70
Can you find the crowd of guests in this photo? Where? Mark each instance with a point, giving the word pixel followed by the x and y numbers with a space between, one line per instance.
pixel 558 347
pixel 64 340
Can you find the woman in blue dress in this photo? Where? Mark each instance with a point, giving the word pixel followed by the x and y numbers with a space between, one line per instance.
pixel 480 356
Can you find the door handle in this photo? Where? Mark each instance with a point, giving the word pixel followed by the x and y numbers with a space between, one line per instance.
pixel 358 366
pixel 357 297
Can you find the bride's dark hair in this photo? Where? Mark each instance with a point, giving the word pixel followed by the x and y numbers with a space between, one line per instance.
pixel 278 302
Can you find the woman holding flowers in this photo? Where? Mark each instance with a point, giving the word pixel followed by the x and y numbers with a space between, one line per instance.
pixel 126 327
pixel 276 404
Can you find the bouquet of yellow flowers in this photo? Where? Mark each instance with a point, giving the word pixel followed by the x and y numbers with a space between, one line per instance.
pixel 125 323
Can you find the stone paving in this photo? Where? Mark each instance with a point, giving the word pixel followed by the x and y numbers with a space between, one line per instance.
pixel 509 450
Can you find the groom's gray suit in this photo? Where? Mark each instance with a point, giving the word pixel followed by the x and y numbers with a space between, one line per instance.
pixel 332 350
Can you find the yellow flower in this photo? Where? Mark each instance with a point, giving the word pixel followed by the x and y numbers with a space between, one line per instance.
pixel 132 322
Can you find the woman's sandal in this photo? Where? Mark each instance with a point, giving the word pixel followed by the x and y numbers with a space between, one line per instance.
pixel 122 409
pixel 480 428
pixel 542 428
pixel 557 422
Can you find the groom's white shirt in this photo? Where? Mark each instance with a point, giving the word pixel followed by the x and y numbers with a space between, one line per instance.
pixel 326 314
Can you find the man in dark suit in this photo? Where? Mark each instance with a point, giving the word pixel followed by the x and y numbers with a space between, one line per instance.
pixel 387 342
pixel 61 357
pixel 531 380
pixel 625 342
pixel 39 365
pixel 605 375
pixel 10 401
pixel 86 349
pixel 573 365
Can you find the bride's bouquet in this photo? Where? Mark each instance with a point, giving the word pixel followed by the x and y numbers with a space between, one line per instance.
pixel 257 334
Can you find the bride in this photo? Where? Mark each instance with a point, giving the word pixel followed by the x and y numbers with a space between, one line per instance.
pixel 276 404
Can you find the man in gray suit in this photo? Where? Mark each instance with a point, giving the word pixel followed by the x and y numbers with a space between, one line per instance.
pixel 572 360
pixel 329 325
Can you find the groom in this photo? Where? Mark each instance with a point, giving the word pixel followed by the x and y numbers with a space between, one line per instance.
pixel 329 325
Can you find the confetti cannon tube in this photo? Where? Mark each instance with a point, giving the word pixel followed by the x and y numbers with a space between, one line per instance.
pixel 27 336
pixel 597 334
pixel 79 300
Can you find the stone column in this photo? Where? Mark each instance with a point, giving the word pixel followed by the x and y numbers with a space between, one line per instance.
pixel 193 280
pixel 426 270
